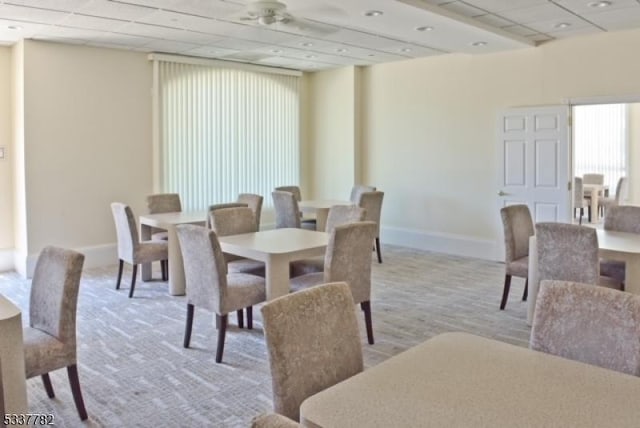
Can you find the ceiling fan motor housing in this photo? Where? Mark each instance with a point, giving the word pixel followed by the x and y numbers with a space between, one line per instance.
pixel 266 9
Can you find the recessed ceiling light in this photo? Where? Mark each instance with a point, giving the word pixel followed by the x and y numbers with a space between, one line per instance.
pixel 372 55
pixel 341 50
pixel 373 13
pixel 307 44
pixel 424 28
pixel 405 50
pixel 478 44
pixel 14 27
pixel 563 25
pixel 276 51
pixel 310 56
pixel 599 4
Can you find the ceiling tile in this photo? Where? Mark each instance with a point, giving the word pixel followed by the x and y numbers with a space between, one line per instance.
pixel 618 19
pixel 503 5
pixel 520 30
pixel 115 10
pixel 463 8
pixel 169 46
pixel 153 31
pixel 493 20
pixel 556 25
pixel 91 22
pixel 581 7
pixel 31 14
pixel 542 12
pixel 59 5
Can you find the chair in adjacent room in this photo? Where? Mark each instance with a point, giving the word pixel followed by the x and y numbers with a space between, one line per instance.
pixel 162 203
pixel 255 203
pixel 372 203
pixel 307 223
pixel 50 338
pixel 222 206
pixel 590 324
pixel 131 249
pixel 357 190
pixel 303 331
pixel 348 259
pixel 613 201
pixel 208 286
pixel 579 201
pixel 620 219
pixel 518 228
pixel 287 211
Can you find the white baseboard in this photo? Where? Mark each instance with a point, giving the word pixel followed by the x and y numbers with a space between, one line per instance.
pixel 458 245
pixel 94 256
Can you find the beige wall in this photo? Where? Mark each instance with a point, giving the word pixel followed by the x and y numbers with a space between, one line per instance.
pixel 634 154
pixel 6 165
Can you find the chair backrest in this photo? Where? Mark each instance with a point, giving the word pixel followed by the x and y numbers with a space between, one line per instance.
pixel 255 203
pixel 291 189
pixel 232 221
pixel 518 227
pixel 582 322
pixel 621 190
pixel 205 270
pixel 164 203
pixel 343 214
pixel 567 252
pixel 287 210
pixel 54 293
pixel 348 258
pixel 578 192
pixel 126 231
pixel 624 218
pixel 221 207
pixel 372 203
pixel 313 343
pixel 357 189
pixel 593 178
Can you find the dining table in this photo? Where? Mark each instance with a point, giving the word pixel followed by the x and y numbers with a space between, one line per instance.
pixel 13 385
pixel 612 245
pixel 462 380
pixel 320 208
pixel 169 221
pixel 276 248
pixel 595 192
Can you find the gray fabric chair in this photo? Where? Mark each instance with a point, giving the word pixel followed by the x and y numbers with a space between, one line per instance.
pixel 357 190
pixel 579 201
pixel 593 178
pixel 162 203
pixel 590 324
pixel 222 206
pixel 303 332
pixel 620 219
pixel 273 420
pixel 347 259
pixel 372 203
pixel 568 252
pixel 621 193
pixel 255 203
pixel 307 223
pixel 518 228
pixel 287 211
pixel 131 249
pixel 50 338
pixel 338 215
pixel 209 286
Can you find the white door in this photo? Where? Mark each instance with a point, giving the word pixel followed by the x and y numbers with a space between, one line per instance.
pixel 534 161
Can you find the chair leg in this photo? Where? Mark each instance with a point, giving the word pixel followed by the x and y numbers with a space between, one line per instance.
pixel 120 267
pixel 581 214
pixel 505 291
pixel 378 250
pixel 589 213
pixel 240 318
pixel 222 321
pixel 74 381
pixel 366 308
pixel 133 280
pixel 526 290
pixel 46 380
pixel 250 317
pixel 164 266
pixel 188 325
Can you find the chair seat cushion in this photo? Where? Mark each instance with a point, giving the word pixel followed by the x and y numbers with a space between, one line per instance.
pixel 44 353
pixel 160 236
pixel 613 269
pixel 305 281
pixel 519 267
pixel 151 251
pixel 243 290
pixel 252 267
pixel 605 281
pixel 305 266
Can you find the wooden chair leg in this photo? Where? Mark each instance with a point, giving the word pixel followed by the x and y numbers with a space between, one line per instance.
pixel 133 280
pixel 188 325
pixel 46 380
pixel 581 214
pixel 222 321
pixel 526 290
pixel 74 381
pixel 378 250
pixel 589 213
pixel 250 317
pixel 366 308
pixel 240 318
pixel 120 268
pixel 505 291
pixel 164 266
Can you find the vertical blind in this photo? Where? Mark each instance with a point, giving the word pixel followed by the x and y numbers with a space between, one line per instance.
pixel 225 131
pixel 600 141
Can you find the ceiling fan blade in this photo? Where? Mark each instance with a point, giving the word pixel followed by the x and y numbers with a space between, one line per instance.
pixel 305 26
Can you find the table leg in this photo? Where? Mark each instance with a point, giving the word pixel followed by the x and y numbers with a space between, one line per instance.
pixel 176 266
pixel 632 274
pixel 13 387
pixel 277 276
pixel 321 219
pixel 595 218
pixel 533 279
pixel 145 235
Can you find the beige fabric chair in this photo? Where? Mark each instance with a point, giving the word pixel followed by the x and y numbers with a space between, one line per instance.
pixel 568 252
pixel 347 259
pixel 210 287
pixel 338 215
pixel 255 203
pixel 50 339
pixel 273 420
pixel 518 228
pixel 579 201
pixel 291 189
pixel 357 190
pixel 593 178
pixel 372 203
pixel 590 324
pixel 222 206
pixel 162 203
pixel 620 219
pixel 131 249
pixel 303 332
pixel 621 194
pixel 287 211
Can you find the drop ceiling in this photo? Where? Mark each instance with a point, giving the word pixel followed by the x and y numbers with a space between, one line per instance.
pixel 328 34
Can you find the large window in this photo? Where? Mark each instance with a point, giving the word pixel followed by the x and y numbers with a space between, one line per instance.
pixel 224 131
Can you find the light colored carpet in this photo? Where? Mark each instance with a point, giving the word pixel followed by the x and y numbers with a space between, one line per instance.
pixel 134 371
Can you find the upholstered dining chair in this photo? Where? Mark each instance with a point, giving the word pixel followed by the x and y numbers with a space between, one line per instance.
pixel 287 211
pixel 593 178
pixel 254 202
pixel 579 201
pixel 612 201
pixel 209 286
pixel 372 203
pixel 304 332
pixel 131 249
pixel 273 420
pixel 348 259
pixel 518 227
pixel 569 252
pixel 357 190
pixel 338 215
pixel 590 324
pixel 306 223
pixel 619 219
pixel 222 206
pixel 50 338
pixel 162 203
